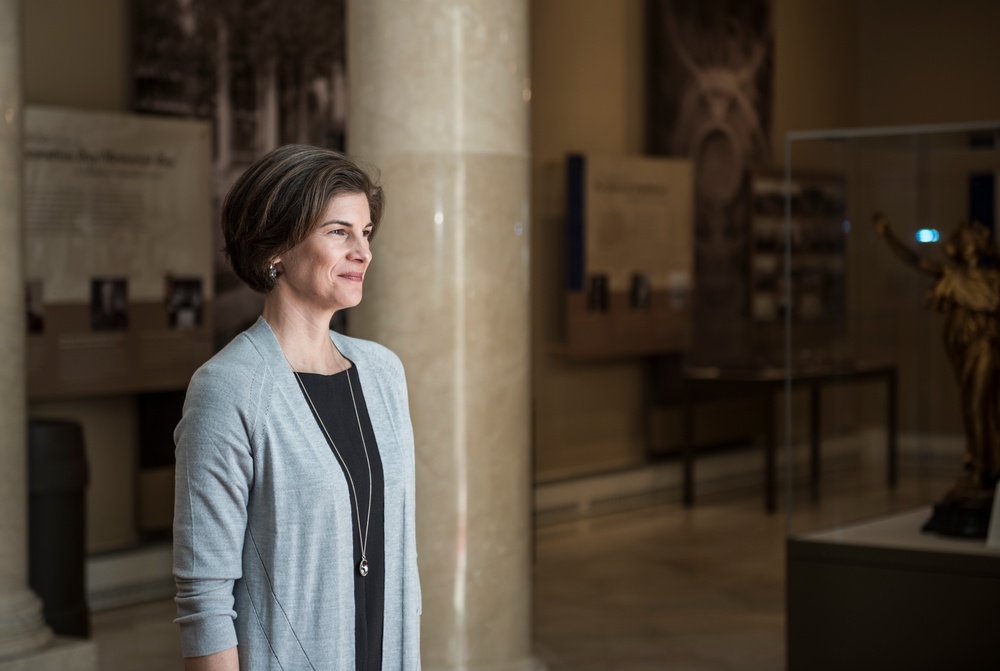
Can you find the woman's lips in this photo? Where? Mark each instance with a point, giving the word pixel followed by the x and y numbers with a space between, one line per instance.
pixel 353 277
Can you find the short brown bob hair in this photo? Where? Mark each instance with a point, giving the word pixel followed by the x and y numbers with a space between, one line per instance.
pixel 278 201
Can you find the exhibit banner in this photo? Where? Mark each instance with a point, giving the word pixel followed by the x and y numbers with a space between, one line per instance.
pixel 118 254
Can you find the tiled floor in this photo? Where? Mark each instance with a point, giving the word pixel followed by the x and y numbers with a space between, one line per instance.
pixel 657 588
pixel 138 638
pixel 662 588
pixel 690 590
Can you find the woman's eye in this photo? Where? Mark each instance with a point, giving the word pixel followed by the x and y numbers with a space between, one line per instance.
pixel 368 233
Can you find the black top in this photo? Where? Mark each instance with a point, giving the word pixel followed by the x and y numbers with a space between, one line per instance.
pixel 331 395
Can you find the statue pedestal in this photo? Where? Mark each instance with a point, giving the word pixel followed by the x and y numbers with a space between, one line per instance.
pixel 958 521
pixel 892 597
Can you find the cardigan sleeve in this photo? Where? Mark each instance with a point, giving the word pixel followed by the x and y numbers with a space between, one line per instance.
pixel 212 484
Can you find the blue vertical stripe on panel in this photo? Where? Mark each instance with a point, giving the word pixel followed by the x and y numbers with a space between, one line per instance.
pixel 576 175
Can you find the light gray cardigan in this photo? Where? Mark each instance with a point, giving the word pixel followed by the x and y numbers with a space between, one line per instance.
pixel 263 545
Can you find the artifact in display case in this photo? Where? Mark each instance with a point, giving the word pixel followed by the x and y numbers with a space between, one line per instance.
pixel 817 230
pixel 630 255
pixel 911 556
pixel 967 290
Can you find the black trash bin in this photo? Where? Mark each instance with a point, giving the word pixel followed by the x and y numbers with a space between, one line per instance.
pixel 57 482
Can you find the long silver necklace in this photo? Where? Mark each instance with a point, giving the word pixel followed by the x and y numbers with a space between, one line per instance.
pixel 362 537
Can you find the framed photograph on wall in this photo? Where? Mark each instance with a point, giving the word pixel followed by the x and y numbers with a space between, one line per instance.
pixel 109 304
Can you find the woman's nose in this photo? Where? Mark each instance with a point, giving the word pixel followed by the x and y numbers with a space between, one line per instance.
pixel 362 251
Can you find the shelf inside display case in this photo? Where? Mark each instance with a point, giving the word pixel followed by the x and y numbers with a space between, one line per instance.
pixel 817 234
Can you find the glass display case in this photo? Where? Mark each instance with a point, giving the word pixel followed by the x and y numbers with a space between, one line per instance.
pixel 889 294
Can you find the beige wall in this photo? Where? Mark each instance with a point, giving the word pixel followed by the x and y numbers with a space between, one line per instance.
pixel 815 65
pixel 76 54
pixel 927 61
pixel 588 76
pixel 587 96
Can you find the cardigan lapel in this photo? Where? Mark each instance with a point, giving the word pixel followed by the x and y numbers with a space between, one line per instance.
pixel 371 382
pixel 263 338
pixel 285 383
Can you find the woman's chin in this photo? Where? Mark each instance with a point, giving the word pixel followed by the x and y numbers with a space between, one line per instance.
pixel 345 302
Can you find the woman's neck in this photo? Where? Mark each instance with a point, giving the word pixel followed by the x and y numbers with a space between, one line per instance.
pixel 304 337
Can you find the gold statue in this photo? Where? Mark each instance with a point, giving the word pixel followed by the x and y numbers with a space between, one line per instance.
pixel 967 290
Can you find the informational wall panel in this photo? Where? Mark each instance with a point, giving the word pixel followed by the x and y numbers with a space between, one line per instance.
pixel 630 258
pixel 118 256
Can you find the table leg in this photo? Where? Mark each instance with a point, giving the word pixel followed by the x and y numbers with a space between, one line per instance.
pixel 814 439
pixel 688 445
pixel 770 449
pixel 892 420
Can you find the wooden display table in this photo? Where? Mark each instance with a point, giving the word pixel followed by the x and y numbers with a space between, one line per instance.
pixel 767 383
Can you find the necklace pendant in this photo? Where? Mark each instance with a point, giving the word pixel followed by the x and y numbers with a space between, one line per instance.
pixel 363 568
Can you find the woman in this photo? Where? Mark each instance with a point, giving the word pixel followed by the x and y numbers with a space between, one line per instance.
pixel 294 543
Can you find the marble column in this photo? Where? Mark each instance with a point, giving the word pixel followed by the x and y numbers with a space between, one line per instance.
pixel 439 96
pixel 21 626
pixel 25 640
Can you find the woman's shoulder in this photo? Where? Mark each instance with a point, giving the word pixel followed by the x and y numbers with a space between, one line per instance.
pixel 235 370
pixel 369 354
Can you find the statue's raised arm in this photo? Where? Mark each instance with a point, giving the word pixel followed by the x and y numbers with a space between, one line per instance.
pixel 908 256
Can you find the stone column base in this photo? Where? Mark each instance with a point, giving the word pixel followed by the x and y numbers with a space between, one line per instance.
pixel 64 654
pixel 22 626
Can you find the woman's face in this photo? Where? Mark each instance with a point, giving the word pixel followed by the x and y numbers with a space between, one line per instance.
pixel 326 270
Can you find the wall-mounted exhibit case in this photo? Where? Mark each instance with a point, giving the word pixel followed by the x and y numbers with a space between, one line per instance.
pixel 887 560
pixel 118 252
pixel 630 260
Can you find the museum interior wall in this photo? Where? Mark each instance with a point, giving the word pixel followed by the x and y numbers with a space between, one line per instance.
pixel 837 64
